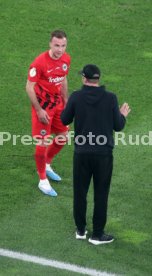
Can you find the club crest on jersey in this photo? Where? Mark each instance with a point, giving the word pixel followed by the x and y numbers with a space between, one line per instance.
pixel 64 67
pixel 43 132
pixel 33 72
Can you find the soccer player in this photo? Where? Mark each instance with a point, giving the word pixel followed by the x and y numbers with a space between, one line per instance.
pixel 47 89
pixel 96 114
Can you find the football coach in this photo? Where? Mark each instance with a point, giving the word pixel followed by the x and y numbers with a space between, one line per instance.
pixel 96 115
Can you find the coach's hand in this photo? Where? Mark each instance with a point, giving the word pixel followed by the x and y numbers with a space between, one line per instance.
pixel 125 109
pixel 43 116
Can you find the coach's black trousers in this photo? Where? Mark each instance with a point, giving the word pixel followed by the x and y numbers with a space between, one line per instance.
pixel 85 166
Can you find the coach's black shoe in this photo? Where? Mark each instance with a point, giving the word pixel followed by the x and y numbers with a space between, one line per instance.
pixel 101 240
pixel 81 235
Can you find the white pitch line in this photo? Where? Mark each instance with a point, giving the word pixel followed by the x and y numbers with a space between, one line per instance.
pixel 52 263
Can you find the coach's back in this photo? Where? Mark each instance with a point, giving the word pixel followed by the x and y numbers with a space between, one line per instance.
pixel 96 114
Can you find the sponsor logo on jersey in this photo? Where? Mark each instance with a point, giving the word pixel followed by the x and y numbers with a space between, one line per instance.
pixel 64 67
pixel 56 80
pixel 33 72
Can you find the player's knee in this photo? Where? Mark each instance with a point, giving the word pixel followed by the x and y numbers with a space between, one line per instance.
pixel 40 151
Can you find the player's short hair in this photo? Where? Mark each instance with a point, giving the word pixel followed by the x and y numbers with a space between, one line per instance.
pixel 58 34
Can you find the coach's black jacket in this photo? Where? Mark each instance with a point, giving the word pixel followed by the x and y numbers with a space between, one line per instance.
pixel 96 111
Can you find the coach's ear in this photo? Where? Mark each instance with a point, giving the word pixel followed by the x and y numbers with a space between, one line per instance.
pixel 84 80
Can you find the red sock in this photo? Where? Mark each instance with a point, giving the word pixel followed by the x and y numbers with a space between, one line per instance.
pixel 54 149
pixel 40 158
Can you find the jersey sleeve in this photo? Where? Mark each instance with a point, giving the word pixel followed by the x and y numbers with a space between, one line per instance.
pixel 118 119
pixel 34 72
pixel 68 113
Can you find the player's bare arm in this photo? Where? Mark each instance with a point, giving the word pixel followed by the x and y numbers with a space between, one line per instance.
pixel 41 113
pixel 64 90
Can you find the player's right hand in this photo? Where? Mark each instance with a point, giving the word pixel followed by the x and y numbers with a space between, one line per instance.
pixel 43 116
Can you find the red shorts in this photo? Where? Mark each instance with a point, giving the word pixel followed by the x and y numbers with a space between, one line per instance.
pixel 55 125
